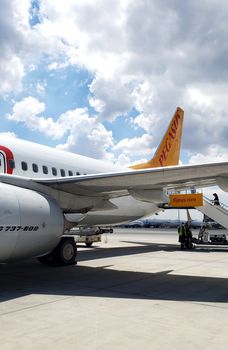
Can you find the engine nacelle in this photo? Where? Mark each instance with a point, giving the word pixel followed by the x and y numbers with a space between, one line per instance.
pixel 31 223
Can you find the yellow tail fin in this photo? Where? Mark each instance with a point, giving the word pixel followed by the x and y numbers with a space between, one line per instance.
pixel 168 152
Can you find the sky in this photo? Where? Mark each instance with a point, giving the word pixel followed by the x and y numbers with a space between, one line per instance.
pixel 103 78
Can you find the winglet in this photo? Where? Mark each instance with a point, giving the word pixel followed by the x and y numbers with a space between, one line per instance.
pixel 168 152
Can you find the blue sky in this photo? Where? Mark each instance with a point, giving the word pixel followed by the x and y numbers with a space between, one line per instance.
pixel 75 79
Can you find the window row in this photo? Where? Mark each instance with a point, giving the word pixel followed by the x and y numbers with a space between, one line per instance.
pixel 45 169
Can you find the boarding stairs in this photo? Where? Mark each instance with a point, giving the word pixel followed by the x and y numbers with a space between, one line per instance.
pixel 218 213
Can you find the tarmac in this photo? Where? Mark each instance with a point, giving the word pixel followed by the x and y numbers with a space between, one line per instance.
pixel 134 290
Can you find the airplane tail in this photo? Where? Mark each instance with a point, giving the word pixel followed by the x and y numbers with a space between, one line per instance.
pixel 168 152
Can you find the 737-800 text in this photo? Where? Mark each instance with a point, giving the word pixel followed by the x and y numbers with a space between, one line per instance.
pixel 19 228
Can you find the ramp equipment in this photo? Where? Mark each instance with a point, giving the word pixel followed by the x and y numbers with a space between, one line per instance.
pixel 89 235
pixel 211 239
pixel 218 213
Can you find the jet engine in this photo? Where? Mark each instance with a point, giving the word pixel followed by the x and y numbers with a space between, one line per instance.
pixel 31 223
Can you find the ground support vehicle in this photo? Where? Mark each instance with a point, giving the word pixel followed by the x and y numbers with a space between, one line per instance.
pixel 89 235
pixel 211 239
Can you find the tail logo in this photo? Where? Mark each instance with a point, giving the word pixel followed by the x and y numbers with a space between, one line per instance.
pixel 170 139
pixel 168 151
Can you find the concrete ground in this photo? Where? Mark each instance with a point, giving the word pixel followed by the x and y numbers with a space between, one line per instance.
pixel 135 290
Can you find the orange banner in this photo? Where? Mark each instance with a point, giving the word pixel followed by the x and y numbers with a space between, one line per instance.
pixel 186 200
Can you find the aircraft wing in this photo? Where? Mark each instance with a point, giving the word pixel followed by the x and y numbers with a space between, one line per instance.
pixel 117 184
pixel 175 177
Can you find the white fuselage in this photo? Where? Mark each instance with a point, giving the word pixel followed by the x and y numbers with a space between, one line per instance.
pixel 27 159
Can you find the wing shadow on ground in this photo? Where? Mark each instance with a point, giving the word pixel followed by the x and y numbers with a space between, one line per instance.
pixel 141 248
pixel 137 248
pixel 29 277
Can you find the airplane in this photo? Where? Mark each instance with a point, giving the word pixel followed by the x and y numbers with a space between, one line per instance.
pixel 165 223
pixel 40 186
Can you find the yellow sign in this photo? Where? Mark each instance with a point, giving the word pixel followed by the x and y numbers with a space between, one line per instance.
pixel 186 200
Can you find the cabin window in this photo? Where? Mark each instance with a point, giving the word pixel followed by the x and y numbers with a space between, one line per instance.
pixel 70 173
pixel 77 173
pixel 62 172
pixel 11 163
pixel 35 168
pixel 45 169
pixel 54 171
pixel 24 166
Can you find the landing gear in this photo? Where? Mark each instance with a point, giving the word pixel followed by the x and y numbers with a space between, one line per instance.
pixel 67 252
pixel 64 254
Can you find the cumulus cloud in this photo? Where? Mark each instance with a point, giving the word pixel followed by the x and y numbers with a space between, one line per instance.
pixel 28 110
pixel 134 150
pixel 111 98
pixel 11 73
pixel 205 130
pixel 214 154
pixel 13 21
pixel 22 44
pixel 151 57
pixel 87 136
pixel 123 160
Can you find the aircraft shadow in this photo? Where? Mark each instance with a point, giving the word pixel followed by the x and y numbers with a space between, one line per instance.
pixel 30 277
pixel 141 248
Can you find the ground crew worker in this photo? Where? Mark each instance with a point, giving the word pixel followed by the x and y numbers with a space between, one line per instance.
pixel 216 199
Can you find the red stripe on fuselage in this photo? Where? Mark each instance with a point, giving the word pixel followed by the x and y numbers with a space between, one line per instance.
pixel 8 154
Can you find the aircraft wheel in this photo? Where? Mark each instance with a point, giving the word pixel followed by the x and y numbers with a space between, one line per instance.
pixel 64 254
pixel 67 251
pixel 89 244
